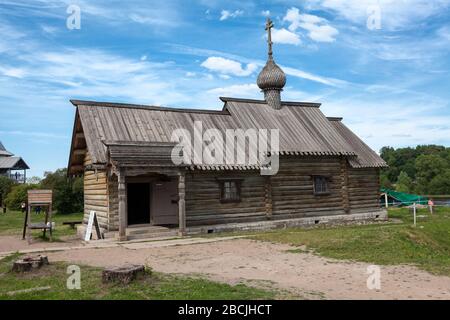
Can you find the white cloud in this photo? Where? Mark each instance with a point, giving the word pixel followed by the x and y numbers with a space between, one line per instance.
pixel 318 28
pixel 49 29
pixel 312 77
pixel 225 14
pixel 265 13
pixel 395 14
pixel 249 90
pixel 285 37
pixel 228 67
pixel 181 49
pixel 12 72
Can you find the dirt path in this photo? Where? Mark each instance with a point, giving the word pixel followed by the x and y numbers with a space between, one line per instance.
pixel 15 243
pixel 303 274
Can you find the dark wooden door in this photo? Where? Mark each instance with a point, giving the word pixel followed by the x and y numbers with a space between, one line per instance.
pixel 165 203
pixel 138 202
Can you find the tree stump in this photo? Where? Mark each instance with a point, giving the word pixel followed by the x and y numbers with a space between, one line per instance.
pixel 124 274
pixel 29 263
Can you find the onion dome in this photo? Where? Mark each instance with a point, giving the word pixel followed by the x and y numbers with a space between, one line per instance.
pixel 271 80
pixel 271 77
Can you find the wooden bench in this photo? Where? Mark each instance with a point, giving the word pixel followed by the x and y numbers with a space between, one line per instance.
pixel 72 223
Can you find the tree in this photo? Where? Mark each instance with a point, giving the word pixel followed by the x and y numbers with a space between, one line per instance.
pixel 385 182
pixel 67 192
pixel 17 195
pixel 5 187
pixel 34 180
pixel 404 183
pixel 428 167
pixel 440 184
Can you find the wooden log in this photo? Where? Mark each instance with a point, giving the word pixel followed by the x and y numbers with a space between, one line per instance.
pixel 29 263
pixel 124 274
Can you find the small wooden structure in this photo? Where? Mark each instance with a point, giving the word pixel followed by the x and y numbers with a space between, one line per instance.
pixel 38 198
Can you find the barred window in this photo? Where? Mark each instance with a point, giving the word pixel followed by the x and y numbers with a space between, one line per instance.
pixel 231 191
pixel 320 185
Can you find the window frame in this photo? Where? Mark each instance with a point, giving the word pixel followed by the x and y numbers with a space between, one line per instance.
pixel 237 183
pixel 327 181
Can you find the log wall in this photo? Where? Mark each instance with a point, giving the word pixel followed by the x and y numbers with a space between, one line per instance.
pixel 289 194
pixel 95 194
pixel 203 205
pixel 293 190
pixel 364 189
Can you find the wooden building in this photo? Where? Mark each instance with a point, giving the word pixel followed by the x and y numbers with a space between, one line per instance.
pixel 326 172
pixel 12 167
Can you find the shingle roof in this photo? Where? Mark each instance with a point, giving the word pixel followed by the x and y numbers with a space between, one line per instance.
pixel 3 151
pixel 303 128
pixel 14 163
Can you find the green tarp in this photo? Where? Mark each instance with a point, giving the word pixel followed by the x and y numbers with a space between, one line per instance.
pixel 405 198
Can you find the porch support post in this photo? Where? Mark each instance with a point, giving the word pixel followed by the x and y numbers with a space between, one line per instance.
pixel 268 197
pixel 181 204
pixel 122 205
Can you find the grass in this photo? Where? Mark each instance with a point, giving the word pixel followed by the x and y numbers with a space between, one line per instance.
pixel 11 223
pixel 155 286
pixel 427 245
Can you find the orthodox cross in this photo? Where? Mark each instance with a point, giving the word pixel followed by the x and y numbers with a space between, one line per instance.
pixel 269 26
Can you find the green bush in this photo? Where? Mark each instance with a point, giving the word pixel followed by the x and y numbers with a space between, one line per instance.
pixel 5 187
pixel 17 195
pixel 67 192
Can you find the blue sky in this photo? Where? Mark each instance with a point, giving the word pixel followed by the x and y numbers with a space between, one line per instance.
pixel 391 84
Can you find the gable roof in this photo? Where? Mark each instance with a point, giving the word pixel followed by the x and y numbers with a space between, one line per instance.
pixel 13 163
pixel 3 151
pixel 303 128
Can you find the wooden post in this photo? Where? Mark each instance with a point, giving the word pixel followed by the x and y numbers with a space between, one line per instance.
pixel 25 223
pixel 50 221
pixel 414 211
pixel 268 197
pixel 28 224
pixel 122 205
pixel 181 204
pixel 344 185
pixel 386 200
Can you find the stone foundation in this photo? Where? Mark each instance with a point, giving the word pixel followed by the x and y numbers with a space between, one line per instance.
pixel 380 215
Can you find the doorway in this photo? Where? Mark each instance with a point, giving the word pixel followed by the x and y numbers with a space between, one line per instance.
pixel 138 203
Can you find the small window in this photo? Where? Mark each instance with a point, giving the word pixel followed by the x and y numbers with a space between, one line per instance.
pixel 231 191
pixel 321 185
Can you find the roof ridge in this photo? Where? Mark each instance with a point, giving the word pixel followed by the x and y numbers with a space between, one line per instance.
pixel 142 106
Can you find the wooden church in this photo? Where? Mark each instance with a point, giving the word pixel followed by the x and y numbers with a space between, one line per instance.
pixel 326 173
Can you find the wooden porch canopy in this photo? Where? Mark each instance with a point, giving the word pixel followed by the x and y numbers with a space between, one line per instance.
pixel 139 158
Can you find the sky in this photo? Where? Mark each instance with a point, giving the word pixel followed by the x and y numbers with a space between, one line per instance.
pixel 382 65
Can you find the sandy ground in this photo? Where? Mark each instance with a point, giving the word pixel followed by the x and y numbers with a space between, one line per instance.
pixel 15 243
pixel 303 275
